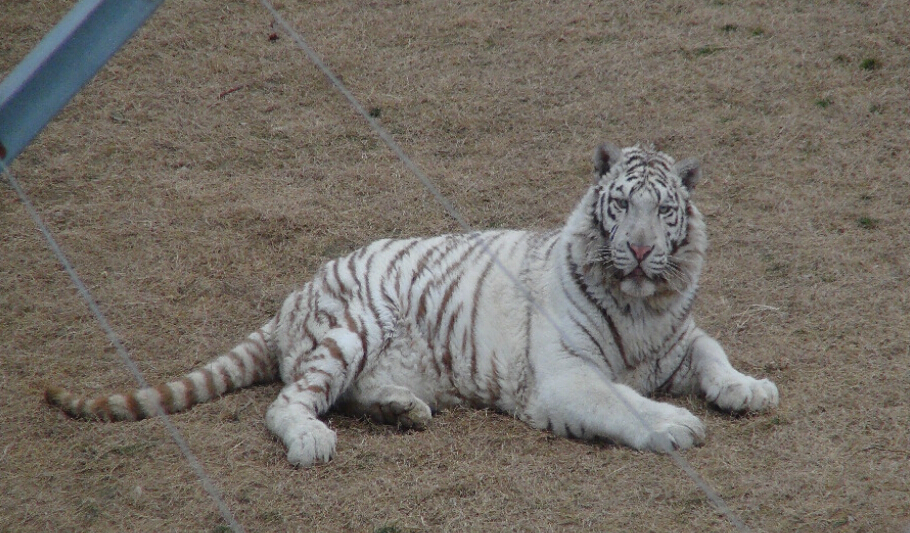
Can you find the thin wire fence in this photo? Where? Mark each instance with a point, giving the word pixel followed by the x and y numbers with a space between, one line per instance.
pixel 681 461
pixel 175 434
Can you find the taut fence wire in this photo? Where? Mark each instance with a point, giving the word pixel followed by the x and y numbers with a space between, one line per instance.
pixel 175 434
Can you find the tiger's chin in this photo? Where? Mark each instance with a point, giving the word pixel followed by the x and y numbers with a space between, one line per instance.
pixel 638 286
pixel 641 285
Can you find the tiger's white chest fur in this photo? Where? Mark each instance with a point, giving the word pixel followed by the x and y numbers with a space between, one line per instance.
pixel 568 330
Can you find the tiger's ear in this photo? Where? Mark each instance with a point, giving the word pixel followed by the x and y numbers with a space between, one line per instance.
pixel 689 172
pixel 606 156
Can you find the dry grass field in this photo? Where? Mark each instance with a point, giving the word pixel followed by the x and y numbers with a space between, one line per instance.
pixel 209 169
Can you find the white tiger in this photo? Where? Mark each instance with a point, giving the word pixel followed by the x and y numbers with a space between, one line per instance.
pixel 401 328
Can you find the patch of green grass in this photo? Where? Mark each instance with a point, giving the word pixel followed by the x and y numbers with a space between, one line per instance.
pixel 777 269
pixel 387 528
pixel 778 420
pixel 90 511
pixel 823 102
pixel 870 63
pixel 867 222
pixel 774 421
pixel 271 516
pixel 707 50
pixel 875 109
pixel 729 28
pixel 130 450
pixel 600 39
pixel 758 31
pixel 375 112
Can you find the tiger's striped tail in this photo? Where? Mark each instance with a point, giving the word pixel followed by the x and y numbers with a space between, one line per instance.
pixel 255 360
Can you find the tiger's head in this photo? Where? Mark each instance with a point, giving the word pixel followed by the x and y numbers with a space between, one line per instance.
pixel 641 209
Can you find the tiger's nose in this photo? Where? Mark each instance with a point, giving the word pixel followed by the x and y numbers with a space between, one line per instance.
pixel 641 252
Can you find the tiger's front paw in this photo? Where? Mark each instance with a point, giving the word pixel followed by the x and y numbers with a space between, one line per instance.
pixel 746 394
pixel 312 441
pixel 673 428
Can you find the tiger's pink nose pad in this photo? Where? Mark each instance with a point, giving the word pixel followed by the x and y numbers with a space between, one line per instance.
pixel 640 251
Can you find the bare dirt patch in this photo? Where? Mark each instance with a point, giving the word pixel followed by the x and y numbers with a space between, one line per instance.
pixel 208 170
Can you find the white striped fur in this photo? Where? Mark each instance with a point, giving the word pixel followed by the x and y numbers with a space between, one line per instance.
pixel 401 328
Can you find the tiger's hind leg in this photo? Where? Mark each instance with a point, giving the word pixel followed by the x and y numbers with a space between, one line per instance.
pixel 387 404
pixel 315 381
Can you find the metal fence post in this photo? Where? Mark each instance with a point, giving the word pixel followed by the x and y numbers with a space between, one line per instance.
pixel 65 60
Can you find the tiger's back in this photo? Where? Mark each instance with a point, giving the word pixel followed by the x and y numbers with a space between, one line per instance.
pixel 438 316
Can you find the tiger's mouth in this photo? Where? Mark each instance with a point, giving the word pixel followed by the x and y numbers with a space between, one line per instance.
pixel 637 283
pixel 637 275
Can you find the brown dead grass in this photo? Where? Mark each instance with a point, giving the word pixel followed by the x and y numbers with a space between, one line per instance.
pixel 190 214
